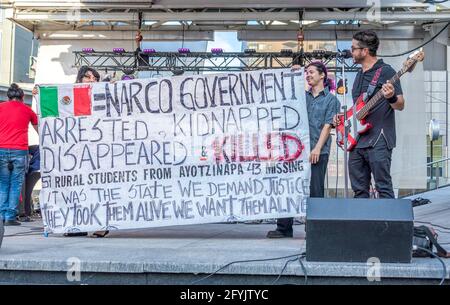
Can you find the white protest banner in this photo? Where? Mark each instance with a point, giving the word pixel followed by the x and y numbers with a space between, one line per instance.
pixel 174 151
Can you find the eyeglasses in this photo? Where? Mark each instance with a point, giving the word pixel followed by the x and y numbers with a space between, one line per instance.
pixel 359 48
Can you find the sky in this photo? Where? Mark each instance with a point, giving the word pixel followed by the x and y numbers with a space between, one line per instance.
pixel 227 41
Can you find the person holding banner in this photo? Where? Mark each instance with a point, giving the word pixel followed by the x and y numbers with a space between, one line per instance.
pixel 85 75
pixel 88 75
pixel 321 106
pixel 15 117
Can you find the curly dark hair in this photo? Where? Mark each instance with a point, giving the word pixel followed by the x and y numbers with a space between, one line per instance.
pixel 368 39
pixel 82 72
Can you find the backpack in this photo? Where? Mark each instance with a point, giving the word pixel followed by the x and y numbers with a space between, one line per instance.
pixel 425 237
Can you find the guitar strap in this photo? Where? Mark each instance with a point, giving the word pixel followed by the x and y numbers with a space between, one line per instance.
pixel 372 85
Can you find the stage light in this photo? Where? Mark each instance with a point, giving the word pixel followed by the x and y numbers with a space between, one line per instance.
pixel 87 50
pixel 184 50
pixel 216 50
pixel 286 51
pixel 127 77
pixel 118 50
pixel 148 51
pixel 249 51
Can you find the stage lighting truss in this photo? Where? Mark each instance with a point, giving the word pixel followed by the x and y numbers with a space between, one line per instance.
pixel 206 61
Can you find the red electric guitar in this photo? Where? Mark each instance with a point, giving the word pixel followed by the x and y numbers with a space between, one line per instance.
pixel 356 124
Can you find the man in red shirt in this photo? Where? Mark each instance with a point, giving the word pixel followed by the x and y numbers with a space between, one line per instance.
pixel 15 118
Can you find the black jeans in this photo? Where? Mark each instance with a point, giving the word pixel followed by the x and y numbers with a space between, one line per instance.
pixel 316 189
pixel 27 203
pixel 376 161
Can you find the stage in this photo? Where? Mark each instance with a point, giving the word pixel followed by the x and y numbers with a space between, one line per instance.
pixel 186 254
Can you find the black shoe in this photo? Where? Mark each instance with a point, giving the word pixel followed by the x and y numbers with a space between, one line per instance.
pixel 75 234
pixel 279 234
pixel 25 219
pixel 100 233
pixel 11 223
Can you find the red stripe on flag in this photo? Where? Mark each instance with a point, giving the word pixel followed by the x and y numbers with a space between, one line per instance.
pixel 82 100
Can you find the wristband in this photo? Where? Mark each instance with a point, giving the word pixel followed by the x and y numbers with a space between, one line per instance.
pixel 393 99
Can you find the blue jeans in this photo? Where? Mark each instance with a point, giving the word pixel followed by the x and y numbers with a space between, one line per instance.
pixel 11 180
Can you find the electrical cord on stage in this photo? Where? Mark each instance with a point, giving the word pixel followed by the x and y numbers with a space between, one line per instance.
pixel 434 225
pixel 282 270
pixel 444 267
pixel 440 231
pixel 32 230
pixel 244 261
pixel 432 2
pixel 418 47
pixel 24 234
pixel 303 268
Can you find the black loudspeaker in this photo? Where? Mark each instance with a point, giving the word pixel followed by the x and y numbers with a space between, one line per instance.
pixel 354 230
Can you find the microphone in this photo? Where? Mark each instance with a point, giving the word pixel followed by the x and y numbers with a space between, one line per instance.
pixel 344 54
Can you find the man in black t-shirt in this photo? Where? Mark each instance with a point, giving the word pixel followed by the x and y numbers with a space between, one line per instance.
pixel 372 154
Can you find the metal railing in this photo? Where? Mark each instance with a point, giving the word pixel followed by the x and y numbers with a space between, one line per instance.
pixel 434 179
pixel 432 175
pixel 437 176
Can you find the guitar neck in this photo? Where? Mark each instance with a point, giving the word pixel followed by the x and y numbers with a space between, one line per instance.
pixel 377 97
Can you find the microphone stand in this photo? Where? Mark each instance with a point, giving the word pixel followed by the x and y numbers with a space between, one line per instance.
pixel 342 59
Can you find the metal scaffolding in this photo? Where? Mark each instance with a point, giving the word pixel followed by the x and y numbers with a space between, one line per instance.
pixel 204 61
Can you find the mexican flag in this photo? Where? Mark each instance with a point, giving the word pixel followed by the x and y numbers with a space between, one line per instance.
pixel 65 100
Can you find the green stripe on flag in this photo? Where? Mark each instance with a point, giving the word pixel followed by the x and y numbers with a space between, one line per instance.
pixel 49 101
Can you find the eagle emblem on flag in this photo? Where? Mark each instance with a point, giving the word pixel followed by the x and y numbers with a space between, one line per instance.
pixel 66 100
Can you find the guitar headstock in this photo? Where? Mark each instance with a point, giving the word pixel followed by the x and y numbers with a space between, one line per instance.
pixel 413 59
